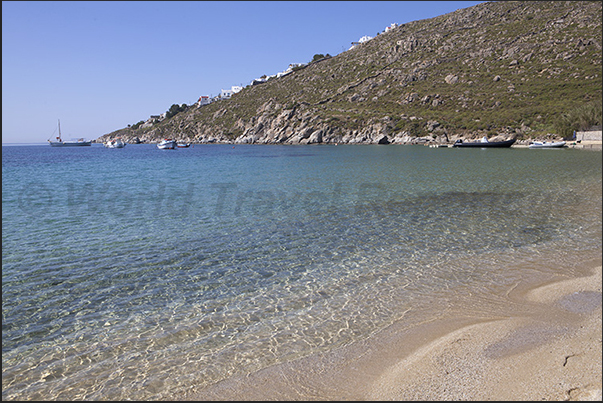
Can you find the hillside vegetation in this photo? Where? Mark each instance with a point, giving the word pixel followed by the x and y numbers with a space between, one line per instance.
pixel 521 69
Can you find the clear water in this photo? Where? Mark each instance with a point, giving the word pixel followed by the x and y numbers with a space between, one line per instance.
pixel 141 273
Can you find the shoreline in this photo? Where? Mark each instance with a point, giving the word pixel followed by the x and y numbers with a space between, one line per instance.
pixel 552 353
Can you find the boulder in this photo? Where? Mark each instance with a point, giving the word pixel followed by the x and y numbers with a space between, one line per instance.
pixel 315 137
pixel 431 125
pixel 451 79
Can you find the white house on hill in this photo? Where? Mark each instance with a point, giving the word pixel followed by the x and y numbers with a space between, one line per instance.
pixel 260 80
pixel 365 38
pixel 203 100
pixel 289 69
pixel 226 94
pixel 391 26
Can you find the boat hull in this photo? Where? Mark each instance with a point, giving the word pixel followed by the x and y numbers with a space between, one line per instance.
pixel 167 145
pixel 545 144
pixel 70 144
pixel 494 144
pixel 115 144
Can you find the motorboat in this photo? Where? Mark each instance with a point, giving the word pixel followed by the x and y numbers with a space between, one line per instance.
pixel 74 143
pixel 183 145
pixel 483 143
pixel 547 144
pixel 167 144
pixel 115 143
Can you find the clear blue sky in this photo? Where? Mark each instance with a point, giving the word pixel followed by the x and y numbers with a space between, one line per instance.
pixel 99 66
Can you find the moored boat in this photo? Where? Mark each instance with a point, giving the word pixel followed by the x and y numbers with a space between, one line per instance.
pixel 547 144
pixel 483 143
pixel 115 143
pixel 74 143
pixel 183 145
pixel 167 144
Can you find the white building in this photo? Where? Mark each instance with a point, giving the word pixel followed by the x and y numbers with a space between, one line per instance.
pixel 260 80
pixel 289 69
pixel 391 26
pixel 203 100
pixel 365 38
pixel 226 94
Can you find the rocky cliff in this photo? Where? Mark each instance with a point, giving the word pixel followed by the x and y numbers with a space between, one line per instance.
pixel 498 69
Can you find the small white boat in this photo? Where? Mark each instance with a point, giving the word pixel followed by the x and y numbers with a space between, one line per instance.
pixel 115 143
pixel 167 144
pixel 547 144
pixel 183 145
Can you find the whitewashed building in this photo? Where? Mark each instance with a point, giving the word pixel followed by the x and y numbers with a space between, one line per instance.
pixel 226 94
pixel 289 69
pixel 260 80
pixel 391 26
pixel 364 39
pixel 203 100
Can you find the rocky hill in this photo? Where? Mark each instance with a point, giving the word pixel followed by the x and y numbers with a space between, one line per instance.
pixel 522 69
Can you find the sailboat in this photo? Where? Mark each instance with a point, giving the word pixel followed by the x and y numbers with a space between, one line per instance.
pixel 60 143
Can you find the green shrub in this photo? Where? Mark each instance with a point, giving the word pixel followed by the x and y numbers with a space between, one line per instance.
pixel 580 118
pixel 136 125
pixel 320 56
pixel 175 109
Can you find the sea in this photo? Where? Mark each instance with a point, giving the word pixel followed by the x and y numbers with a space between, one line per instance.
pixel 148 274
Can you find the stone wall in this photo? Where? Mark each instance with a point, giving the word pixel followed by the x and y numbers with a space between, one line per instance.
pixel 591 135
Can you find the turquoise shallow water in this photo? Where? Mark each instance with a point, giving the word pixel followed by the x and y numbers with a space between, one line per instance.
pixel 140 273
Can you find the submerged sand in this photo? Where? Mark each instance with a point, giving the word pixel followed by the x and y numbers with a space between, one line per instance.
pixel 549 351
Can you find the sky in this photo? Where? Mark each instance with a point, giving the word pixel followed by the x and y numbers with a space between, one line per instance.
pixel 98 66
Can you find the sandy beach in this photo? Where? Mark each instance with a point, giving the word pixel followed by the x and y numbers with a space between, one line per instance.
pixel 557 358
pixel 551 350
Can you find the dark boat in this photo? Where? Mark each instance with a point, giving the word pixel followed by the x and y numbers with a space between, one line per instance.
pixel 483 143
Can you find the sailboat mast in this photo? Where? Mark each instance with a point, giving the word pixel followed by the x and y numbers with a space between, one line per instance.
pixel 59 129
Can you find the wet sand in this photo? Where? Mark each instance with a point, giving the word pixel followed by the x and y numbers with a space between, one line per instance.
pixel 549 351
pixel 556 358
